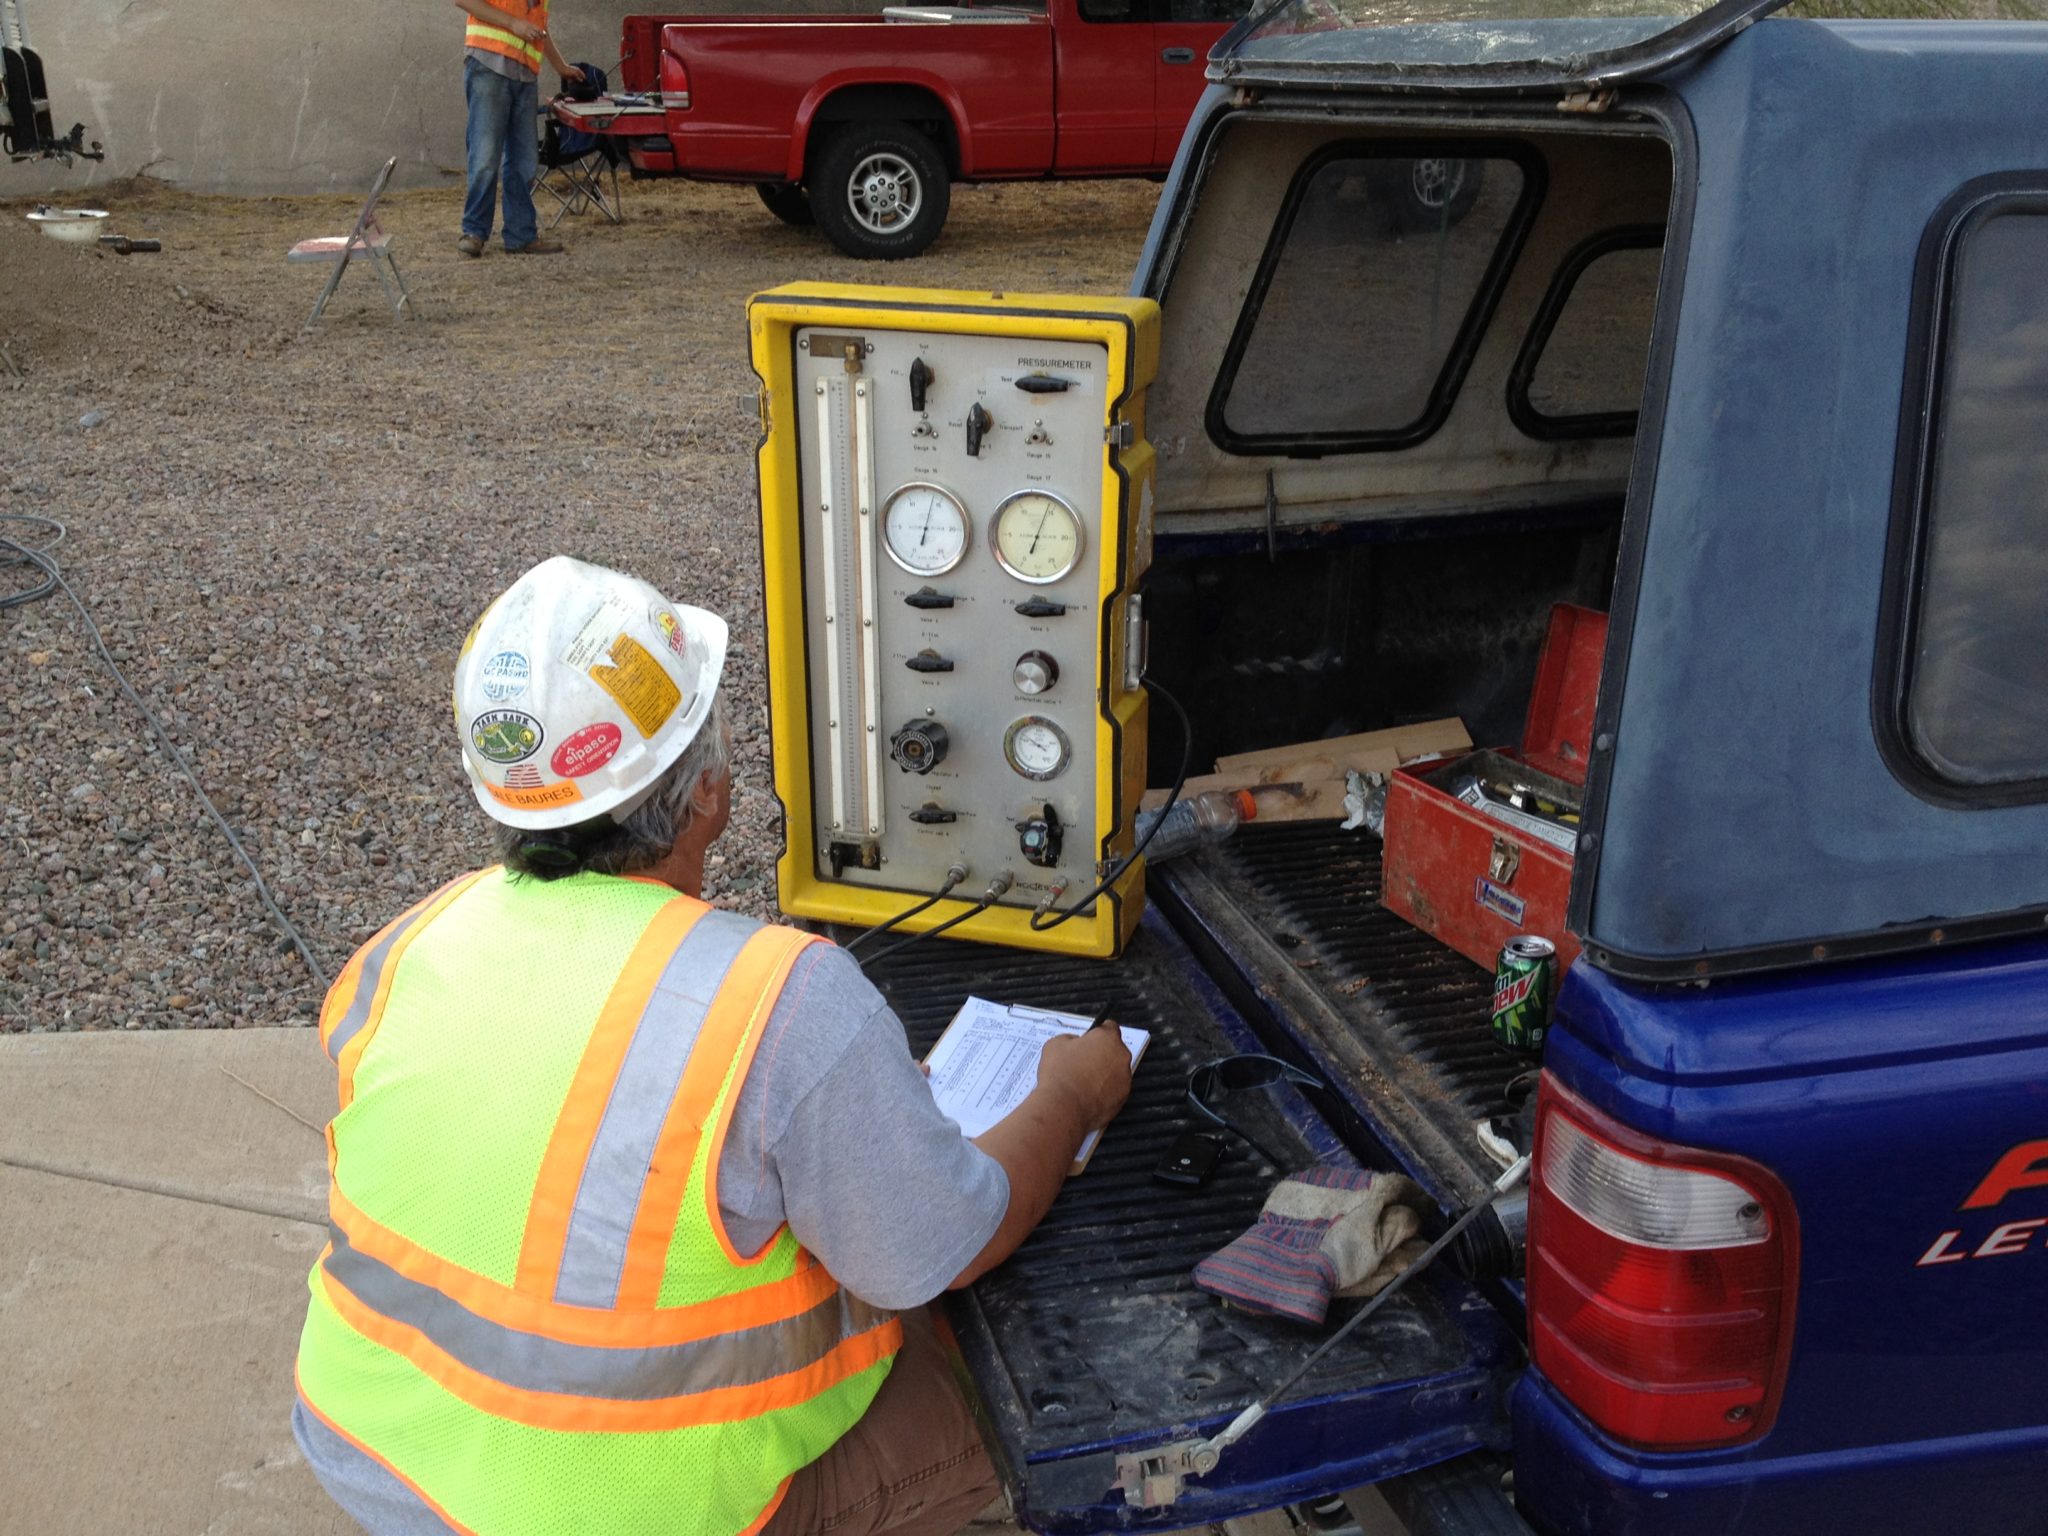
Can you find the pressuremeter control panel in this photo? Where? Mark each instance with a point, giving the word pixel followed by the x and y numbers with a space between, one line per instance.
pixel 956 507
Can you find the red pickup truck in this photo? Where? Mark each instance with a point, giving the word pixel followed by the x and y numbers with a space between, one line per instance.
pixel 863 123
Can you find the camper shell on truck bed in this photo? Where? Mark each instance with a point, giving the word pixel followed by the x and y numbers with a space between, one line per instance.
pixel 1738 334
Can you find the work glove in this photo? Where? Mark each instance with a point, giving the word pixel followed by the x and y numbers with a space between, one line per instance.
pixel 1324 1232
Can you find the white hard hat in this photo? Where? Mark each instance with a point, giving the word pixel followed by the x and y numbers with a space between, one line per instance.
pixel 577 690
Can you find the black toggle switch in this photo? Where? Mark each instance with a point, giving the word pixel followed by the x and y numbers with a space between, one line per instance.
pixel 931 814
pixel 1041 608
pixel 978 423
pixel 1044 384
pixel 929 661
pixel 929 597
pixel 920 381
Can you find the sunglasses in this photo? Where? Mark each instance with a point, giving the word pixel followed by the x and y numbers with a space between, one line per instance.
pixel 1226 1075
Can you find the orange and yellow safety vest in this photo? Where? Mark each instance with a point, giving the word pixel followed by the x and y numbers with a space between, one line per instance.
pixel 530 1311
pixel 481 34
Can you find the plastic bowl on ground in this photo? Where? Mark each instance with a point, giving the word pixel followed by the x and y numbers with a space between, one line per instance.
pixel 79 225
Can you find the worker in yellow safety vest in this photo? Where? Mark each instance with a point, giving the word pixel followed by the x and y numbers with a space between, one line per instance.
pixel 636 1204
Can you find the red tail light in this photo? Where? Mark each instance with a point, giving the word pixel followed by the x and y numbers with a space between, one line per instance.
pixel 1661 1280
pixel 675 82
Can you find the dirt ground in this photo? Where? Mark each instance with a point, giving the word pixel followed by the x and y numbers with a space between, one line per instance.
pixel 285 536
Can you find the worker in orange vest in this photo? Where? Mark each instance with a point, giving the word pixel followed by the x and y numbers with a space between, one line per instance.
pixel 636 1204
pixel 505 46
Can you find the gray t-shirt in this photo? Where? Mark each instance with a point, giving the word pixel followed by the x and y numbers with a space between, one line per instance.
pixel 836 1133
pixel 498 64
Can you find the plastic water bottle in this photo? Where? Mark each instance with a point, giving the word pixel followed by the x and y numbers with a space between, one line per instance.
pixel 1194 821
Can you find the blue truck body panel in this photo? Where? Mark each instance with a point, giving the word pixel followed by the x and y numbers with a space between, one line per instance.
pixel 1882 1094
pixel 1745 816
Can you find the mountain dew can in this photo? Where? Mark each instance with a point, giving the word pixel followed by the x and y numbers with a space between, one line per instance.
pixel 1524 990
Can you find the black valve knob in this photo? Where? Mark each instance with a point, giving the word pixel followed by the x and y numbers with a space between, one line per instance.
pixel 978 423
pixel 929 597
pixel 920 381
pixel 919 747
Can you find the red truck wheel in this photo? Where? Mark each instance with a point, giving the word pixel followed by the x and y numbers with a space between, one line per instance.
pixel 787 201
pixel 880 190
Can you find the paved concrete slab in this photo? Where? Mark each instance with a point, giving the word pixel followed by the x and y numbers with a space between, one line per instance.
pixel 159 1219
pixel 158 1111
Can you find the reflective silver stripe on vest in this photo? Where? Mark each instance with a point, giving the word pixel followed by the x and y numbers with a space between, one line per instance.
pixel 374 965
pixel 532 1363
pixel 601 1221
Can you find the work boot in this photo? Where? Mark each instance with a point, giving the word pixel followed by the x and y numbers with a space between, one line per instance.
pixel 541 247
pixel 469 245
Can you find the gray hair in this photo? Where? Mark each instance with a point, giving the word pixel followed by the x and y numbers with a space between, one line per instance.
pixel 603 846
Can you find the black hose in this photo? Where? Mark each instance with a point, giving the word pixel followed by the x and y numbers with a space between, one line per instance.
pixel 12 553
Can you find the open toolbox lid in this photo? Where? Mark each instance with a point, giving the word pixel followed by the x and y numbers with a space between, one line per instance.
pixel 1092 1345
pixel 1559 734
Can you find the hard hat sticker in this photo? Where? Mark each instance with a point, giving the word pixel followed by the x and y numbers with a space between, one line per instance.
pixel 505 676
pixel 543 798
pixel 641 684
pixel 671 629
pixel 587 750
pixel 594 640
pixel 505 735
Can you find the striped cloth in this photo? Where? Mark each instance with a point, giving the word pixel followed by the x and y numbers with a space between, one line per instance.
pixel 1324 1232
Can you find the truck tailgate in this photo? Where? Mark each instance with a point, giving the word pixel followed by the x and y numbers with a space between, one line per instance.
pixel 1092 1340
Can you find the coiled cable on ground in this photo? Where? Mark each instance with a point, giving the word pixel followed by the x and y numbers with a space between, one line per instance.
pixel 50 533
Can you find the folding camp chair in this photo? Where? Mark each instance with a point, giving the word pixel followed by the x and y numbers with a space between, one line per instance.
pixel 574 164
pixel 368 239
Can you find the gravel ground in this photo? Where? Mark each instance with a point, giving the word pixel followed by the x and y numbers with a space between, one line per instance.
pixel 284 540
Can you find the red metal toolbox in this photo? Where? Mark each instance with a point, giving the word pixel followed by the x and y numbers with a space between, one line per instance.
pixel 1473 878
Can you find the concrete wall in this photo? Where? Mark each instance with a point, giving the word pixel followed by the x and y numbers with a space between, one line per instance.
pixel 267 96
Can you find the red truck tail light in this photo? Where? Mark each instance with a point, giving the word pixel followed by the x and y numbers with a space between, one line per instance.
pixel 1661 1280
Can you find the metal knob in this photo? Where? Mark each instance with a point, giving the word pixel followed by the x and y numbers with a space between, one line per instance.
pixel 1035 672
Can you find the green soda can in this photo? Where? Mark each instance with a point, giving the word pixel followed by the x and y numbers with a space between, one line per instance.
pixel 1524 989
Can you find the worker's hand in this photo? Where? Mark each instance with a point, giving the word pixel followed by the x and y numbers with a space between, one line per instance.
pixel 573 75
pixel 1093 1067
pixel 524 30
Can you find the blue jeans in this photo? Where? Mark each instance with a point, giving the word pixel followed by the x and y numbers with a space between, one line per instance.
pixel 504 126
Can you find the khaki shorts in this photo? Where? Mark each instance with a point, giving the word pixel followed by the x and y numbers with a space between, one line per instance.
pixel 913 1466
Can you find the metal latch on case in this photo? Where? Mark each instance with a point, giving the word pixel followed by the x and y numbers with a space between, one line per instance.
pixel 1504 863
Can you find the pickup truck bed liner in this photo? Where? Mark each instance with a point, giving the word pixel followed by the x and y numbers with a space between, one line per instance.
pixel 1292 915
pixel 1093 1338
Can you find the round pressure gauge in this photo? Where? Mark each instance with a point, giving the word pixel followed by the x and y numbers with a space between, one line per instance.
pixel 924 528
pixel 1037 537
pixel 1037 748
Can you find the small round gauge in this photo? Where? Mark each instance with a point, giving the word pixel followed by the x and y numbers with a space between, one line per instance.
pixel 1037 748
pixel 1037 537
pixel 924 528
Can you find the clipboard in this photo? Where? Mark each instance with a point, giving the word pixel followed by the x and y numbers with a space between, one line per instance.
pixel 986 1062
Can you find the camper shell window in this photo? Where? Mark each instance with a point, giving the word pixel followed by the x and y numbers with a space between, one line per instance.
pixel 1381 275
pixel 1972 695
pixel 1581 371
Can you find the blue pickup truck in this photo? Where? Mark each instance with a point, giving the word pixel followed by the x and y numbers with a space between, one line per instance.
pixel 1735 329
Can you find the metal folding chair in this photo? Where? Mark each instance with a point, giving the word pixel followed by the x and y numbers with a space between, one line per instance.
pixel 573 171
pixel 368 239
